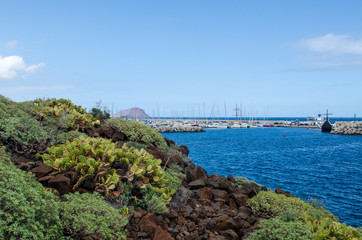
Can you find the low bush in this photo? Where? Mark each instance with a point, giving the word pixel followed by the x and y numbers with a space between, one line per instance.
pixel 138 132
pixel 153 202
pixel 96 157
pixel 75 117
pixel 137 145
pixel 82 214
pixel 269 203
pixel 27 210
pixel 329 229
pixel 240 182
pixel 279 229
pixel 171 150
pixel 91 157
pixel 100 112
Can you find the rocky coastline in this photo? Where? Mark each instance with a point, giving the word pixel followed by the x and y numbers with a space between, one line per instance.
pixel 163 129
pixel 347 128
pixel 205 207
pixel 96 179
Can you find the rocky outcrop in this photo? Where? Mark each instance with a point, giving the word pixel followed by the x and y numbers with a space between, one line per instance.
pixel 347 128
pixel 206 207
pixel 180 129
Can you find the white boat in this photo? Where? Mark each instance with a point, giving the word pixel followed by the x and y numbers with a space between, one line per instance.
pixel 239 125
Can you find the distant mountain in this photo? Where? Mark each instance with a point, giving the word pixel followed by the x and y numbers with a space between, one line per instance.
pixel 131 113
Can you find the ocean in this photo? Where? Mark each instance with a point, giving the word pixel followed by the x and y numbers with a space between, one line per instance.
pixel 306 162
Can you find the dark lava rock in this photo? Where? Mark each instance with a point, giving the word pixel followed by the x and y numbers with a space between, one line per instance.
pixel 285 193
pixel 42 170
pixel 60 183
pixel 184 150
pixel 197 184
pixel 156 153
pixel 229 234
pixel 195 174
pixel 93 236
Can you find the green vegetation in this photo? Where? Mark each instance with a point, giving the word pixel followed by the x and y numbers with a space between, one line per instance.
pixel 74 117
pixel 268 203
pixel 27 211
pixel 291 217
pixel 82 214
pixel 23 131
pixel 94 158
pixel 100 112
pixel 328 228
pixel 153 202
pixel 137 145
pixel 242 181
pixel 279 229
pixel 138 132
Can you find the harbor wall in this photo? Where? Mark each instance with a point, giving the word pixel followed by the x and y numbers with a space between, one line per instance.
pixel 347 128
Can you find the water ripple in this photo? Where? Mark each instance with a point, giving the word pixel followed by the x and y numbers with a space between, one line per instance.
pixel 308 163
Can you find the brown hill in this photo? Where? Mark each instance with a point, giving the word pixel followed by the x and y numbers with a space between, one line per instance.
pixel 131 113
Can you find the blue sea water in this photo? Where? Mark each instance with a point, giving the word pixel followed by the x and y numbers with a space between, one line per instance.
pixel 306 162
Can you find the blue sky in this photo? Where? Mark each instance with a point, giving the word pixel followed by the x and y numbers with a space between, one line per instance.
pixel 276 58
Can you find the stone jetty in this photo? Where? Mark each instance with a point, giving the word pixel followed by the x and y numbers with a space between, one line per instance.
pixel 347 128
pixel 180 129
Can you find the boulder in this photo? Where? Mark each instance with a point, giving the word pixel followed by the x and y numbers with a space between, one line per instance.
pixel 220 194
pixel 151 225
pixel 197 184
pixel 184 150
pixel 93 236
pixel 118 136
pixel 194 174
pixel 229 234
pixel 205 193
pixel 156 153
pixel 60 183
pixel 42 170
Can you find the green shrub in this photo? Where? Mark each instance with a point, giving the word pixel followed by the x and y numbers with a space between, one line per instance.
pixel 94 158
pixel 328 228
pixel 91 157
pixel 242 181
pixel 279 229
pixel 174 176
pixel 82 214
pixel 27 210
pixel 137 145
pixel 271 204
pixel 153 202
pixel 138 132
pixel 174 150
pixel 75 117
pixel 100 112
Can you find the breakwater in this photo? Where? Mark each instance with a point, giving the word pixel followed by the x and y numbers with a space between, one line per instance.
pixel 164 129
pixel 347 128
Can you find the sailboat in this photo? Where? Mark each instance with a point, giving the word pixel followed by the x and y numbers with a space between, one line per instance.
pixel 327 126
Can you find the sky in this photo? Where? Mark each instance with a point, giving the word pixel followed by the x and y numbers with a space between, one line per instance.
pixel 186 58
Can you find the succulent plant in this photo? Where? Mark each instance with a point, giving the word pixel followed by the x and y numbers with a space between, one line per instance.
pixel 75 117
pixel 96 157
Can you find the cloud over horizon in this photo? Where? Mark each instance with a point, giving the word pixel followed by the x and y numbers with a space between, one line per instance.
pixel 10 67
pixel 334 44
pixel 330 52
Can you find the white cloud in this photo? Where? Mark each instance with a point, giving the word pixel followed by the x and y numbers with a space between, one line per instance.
pixel 11 44
pixel 334 44
pixel 10 66
pixel 35 67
